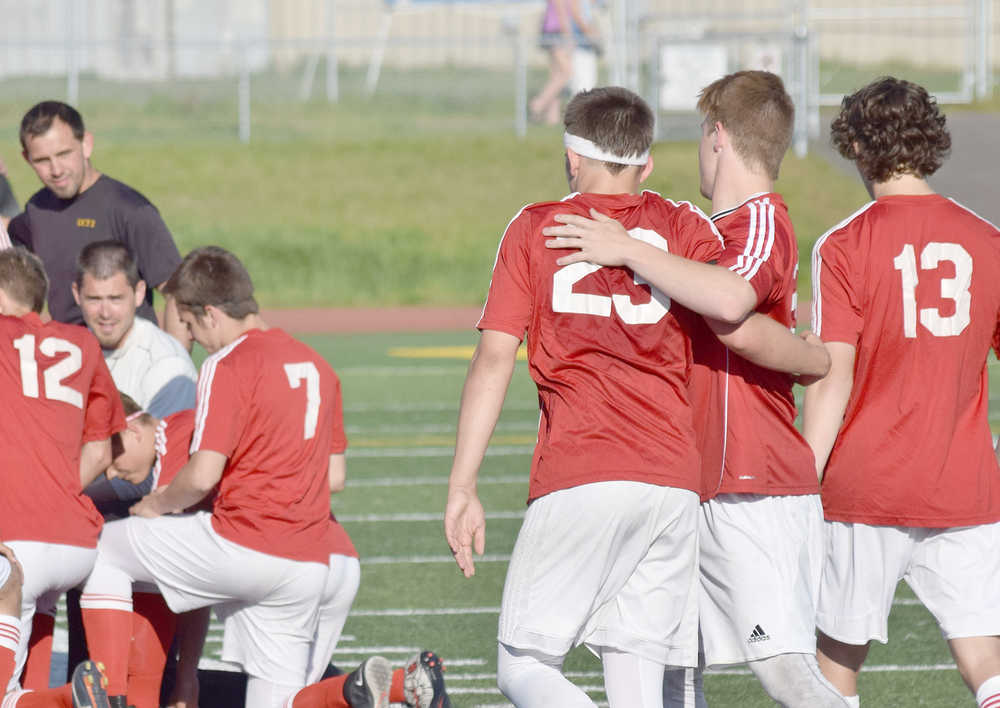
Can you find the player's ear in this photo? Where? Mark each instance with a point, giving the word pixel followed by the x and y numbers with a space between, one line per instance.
pixel 572 162
pixel 88 144
pixel 76 292
pixel 211 316
pixel 720 136
pixel 647 169
pixel 140 292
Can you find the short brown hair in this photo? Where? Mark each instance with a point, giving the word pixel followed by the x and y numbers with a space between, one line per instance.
pixel 103 259
pixel 38 120
pixel 613 118
pixel 211 275
pixel 756 111
pixel 889 128
pixel 23 278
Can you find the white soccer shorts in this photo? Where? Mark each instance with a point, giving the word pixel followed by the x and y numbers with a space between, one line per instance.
pixel 761 559
pixel 50 569
pixel 952 571
pixel 342 582
pixel 272 601
pixel 608 564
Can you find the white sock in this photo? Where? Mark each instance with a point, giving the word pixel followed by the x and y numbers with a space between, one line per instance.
pixel 631 680
pixel 534 680
pixel 853 701
pixel 988 695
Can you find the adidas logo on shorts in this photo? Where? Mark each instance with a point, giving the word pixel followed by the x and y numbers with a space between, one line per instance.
pixel 758 635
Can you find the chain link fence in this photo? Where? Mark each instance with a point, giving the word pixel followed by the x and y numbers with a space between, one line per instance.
pixel 275 69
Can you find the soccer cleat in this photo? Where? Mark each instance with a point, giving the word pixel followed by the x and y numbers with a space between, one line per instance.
pixel 423 682
pixel 368 685
pixel 88 686
pixel 118 702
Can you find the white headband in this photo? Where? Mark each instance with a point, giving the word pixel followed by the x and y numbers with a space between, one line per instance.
pixel 585 148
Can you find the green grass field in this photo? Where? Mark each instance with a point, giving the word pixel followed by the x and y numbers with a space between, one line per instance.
pixel 400 413
pixel 400 199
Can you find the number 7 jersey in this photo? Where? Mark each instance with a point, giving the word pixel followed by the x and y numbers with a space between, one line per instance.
pixel 610 355
pixel 913 283
pixel 57 395
pixel 272 406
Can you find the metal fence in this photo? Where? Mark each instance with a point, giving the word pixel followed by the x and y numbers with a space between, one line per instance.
pixel 474 57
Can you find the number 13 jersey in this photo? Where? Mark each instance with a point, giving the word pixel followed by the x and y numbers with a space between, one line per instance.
pixel 610 355
pixel 913 283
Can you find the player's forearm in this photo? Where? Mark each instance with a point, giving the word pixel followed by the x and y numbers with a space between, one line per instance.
pixel 192 484
pixel 485 388
pixel 768 343
pixel 826 402
pixel 709 290
pixel 337 473
pixel 95 457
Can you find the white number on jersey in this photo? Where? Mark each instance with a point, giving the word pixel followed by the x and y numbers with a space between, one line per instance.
pixel 54 375
pixel 956 289
pixel 565 300
pixel 306 371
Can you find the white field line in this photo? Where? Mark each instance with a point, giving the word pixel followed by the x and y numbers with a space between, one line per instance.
pixel 492 451
pixel 441 480
pixel 430 407
pixel 428 560
pixel 359 518
pixel 417 428
pixel 456 370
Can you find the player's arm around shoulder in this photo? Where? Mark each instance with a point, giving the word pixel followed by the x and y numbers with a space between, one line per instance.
pixel 768 343
pixel 705 288
pixel 482 400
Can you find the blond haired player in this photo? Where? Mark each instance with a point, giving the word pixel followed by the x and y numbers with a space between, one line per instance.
pixel 907 299
pixel 607 554
pixel 761 523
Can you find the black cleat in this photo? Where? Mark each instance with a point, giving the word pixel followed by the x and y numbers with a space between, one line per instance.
pixel 423 682
pixel 88 686
pixel 368 685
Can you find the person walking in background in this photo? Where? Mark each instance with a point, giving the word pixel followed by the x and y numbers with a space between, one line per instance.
pixel 570 36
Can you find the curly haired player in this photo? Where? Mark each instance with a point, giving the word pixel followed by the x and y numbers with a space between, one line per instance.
pixel 907 300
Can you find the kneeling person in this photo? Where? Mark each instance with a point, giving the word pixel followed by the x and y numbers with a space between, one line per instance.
pixel 261 554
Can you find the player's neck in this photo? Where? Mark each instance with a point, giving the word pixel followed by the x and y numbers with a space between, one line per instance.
pixel 901 185
pixel 603 182
pixel 251 321
pixel 735 186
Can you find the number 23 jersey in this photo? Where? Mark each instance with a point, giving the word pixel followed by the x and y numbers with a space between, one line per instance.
pixel 57 395
pixel 913 283
pixel 609 355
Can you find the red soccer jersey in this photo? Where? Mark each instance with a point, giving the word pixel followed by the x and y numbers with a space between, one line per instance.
pixel 173 446
pixel 609 355
pixel 273 407
pixel 745 414
pixel 913 283
pixel 58 395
